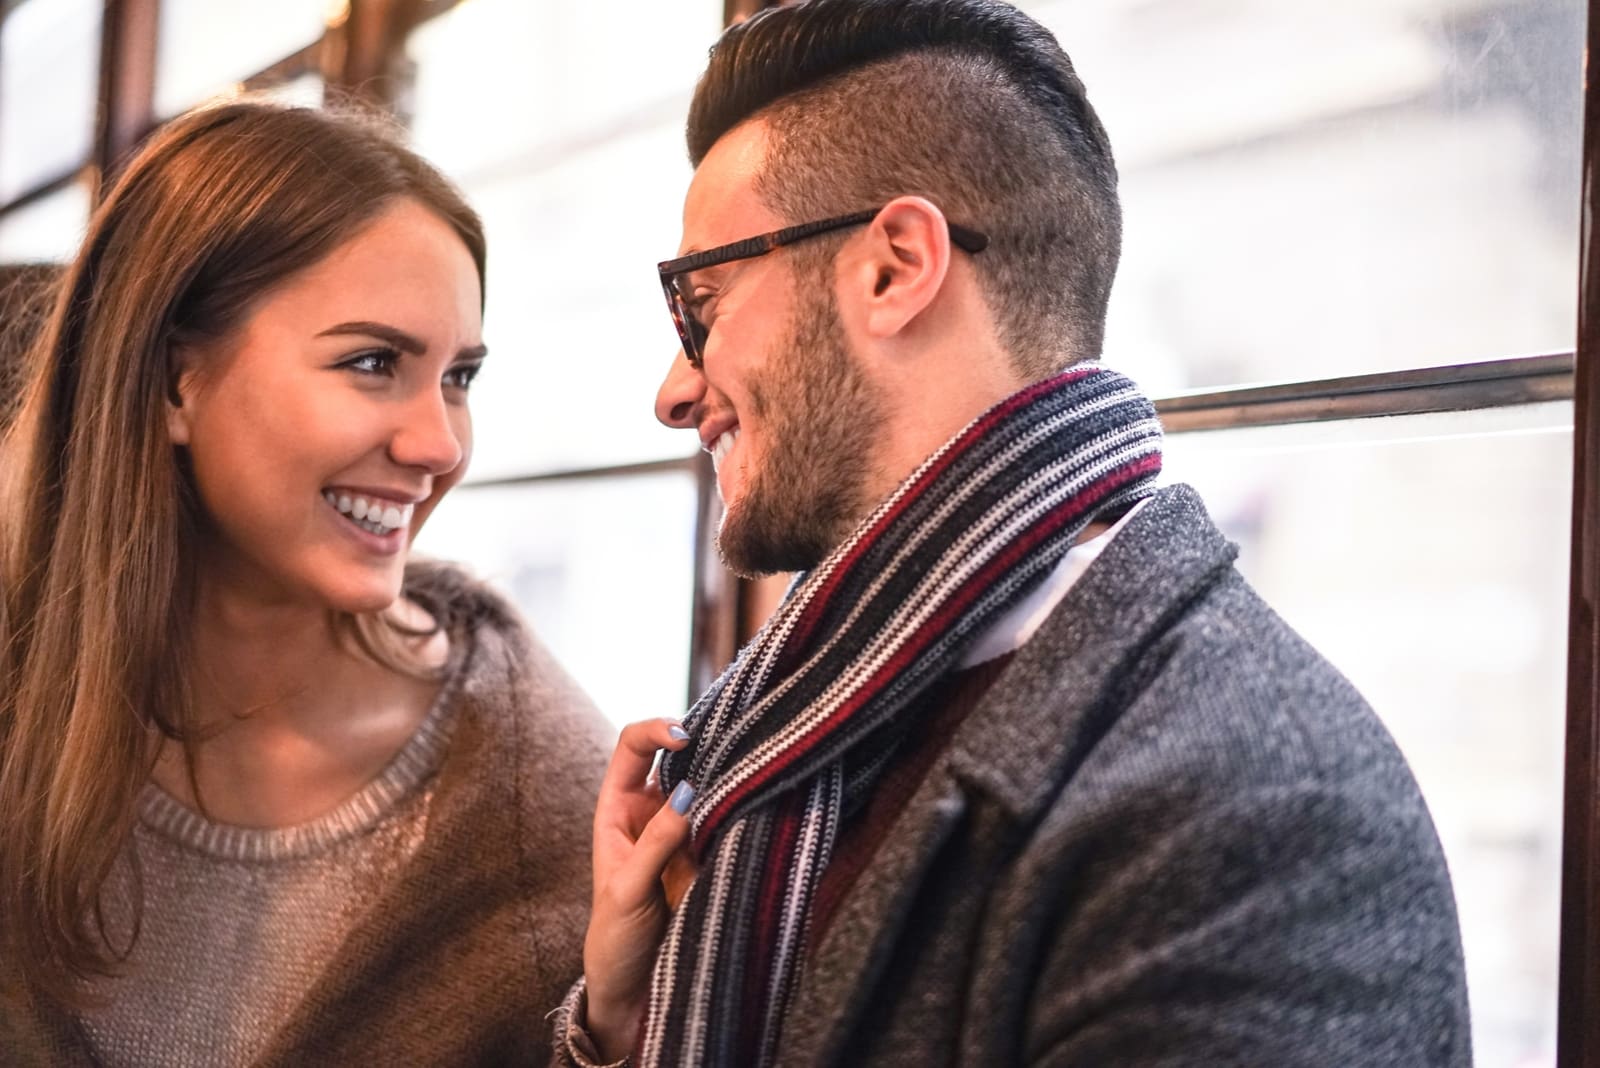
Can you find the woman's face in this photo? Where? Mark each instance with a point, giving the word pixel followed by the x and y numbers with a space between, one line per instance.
pixel 323 430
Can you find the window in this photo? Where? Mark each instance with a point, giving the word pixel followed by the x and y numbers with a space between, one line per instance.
pixel 581 192
pixel 207 47
pixel 1348 192
pixel 49 52
pixel 602 567
pixel 1319 191
pixel 1426 557
pixel 47 229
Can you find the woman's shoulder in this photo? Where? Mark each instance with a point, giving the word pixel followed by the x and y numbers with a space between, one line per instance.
pixel 507 680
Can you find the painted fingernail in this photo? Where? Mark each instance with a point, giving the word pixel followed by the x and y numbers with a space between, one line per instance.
pixel 682 797
pixel 677 733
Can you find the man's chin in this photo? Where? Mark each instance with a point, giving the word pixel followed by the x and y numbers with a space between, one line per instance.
pixel 739 556
pixel 754 543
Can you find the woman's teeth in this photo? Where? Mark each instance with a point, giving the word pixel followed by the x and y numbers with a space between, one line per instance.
pixel 719 451
pixel 376 516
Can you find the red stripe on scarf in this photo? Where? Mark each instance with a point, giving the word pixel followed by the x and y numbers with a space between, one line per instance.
pixel 806 625
pixel 914 646
pixel 764 932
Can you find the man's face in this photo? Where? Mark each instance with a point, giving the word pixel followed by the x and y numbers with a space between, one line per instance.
pixel 780 403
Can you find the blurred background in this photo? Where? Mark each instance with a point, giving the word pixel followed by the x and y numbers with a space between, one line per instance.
pixel 1350 272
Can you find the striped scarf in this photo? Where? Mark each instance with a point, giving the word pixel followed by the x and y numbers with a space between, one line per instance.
pixel 794 735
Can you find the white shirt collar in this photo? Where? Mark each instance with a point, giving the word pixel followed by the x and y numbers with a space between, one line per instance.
pixel 1022 620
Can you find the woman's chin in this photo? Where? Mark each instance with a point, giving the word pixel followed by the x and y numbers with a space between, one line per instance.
pixel 363 598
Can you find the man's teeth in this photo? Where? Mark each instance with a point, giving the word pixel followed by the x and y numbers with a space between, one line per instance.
pixel 377 516
pixel 719 451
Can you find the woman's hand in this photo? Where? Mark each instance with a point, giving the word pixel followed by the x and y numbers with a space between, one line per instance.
pixel 641 871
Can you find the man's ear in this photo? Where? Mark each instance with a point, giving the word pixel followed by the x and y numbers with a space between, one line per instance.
pixel 182 361
pixel 903 265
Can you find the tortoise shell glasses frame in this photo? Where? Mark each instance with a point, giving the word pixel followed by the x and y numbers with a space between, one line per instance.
pixel 674 273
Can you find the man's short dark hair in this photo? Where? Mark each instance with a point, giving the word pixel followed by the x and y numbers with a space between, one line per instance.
pixel 26 291
pixel 969 103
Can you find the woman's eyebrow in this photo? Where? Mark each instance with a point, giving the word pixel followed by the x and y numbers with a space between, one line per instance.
pixel 398 338
pixel 383 332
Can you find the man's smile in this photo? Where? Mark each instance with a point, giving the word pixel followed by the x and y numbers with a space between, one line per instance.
pixel 723 446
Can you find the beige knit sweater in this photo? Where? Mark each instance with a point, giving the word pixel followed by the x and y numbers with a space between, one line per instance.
pixel 433 919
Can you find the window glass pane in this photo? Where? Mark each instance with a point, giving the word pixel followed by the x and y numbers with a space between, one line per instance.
pixel 49 82
pixel 208 46
pixel 1313 190
pixel 306 91
pixel 581 188
pixel 48 229
pixel 1427 557
pixel 604 570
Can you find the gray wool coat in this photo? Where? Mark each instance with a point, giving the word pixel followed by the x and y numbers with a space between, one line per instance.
pixel 1170 834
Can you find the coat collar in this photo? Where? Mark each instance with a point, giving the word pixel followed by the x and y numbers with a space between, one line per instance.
pixel 1038 717
pixel 1014 748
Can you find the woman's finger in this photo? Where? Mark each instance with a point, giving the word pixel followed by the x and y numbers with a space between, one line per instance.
pixel 636 750
pixel 636 881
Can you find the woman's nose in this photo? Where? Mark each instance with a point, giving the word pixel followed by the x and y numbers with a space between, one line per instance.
pixel 428 436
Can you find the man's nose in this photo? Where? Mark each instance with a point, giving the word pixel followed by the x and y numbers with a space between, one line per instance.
pixel 679 393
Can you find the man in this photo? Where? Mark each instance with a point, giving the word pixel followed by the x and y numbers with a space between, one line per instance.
pixel 1022 771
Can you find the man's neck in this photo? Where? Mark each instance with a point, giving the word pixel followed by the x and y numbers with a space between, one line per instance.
pixel 920 419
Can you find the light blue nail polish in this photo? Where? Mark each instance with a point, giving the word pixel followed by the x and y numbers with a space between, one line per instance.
pixel 682 797
pixel 677 733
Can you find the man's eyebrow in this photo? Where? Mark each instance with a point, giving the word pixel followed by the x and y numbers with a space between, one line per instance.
pixel 401 340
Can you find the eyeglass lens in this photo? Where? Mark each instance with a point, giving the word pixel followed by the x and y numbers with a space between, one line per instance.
pixel 690 330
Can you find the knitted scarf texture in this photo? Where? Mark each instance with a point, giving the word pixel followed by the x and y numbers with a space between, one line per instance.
pixel 790 740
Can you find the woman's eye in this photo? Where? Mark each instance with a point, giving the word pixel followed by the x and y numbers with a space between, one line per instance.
pixel 373 362
pixel 461 377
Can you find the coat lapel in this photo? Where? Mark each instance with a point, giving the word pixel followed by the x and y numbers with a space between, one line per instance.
pixel 856 947
pixel 1013 751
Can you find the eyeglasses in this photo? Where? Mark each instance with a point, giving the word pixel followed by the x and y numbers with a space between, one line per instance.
pixel 675 273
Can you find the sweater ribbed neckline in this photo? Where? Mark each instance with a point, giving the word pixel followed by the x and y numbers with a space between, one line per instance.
pixel 413 764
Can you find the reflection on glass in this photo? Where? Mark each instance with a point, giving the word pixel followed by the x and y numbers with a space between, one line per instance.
pixel 48 229
pixel 49 64
pixel 1427 558
pixel 208 46
pixel 582 192
pixel 1319 190
pixel 603 569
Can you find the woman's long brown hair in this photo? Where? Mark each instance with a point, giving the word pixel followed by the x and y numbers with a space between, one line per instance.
pixel 98 518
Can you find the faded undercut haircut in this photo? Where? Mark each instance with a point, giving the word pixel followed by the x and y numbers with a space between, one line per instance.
pixel 969 103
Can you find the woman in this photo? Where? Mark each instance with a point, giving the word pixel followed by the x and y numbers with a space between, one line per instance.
pixel 25 290
pixel 273 794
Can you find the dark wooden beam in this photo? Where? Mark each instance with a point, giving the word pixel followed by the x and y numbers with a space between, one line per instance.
pixel 126 111
pixel 734 10
pixel 1578 1024
pixel 364 50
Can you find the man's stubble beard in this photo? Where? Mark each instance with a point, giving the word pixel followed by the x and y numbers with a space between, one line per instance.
pixel 819 415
